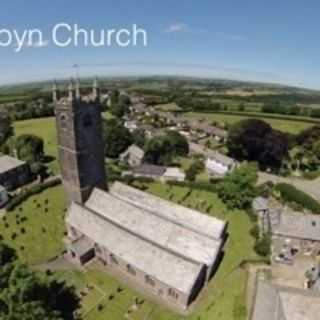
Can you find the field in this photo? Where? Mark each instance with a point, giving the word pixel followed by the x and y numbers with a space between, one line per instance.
pixel 36 228
pixel 290 126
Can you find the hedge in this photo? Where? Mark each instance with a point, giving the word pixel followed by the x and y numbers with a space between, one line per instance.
pixel 292 195
pixel 28 192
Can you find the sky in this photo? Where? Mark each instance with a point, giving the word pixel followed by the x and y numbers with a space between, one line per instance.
pixel 269 41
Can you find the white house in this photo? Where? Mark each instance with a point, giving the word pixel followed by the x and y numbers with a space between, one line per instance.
pixel 3 196
pixel 174 174
pixel 218 164
pixel 133 156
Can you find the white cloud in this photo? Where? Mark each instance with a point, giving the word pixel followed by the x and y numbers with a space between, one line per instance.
pixel 182 28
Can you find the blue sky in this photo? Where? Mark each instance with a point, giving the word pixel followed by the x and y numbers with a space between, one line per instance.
pixel 273 41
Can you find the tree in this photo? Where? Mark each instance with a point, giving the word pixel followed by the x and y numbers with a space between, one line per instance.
pixel 117 137
pixel 161 149
pixel 119 104
pixel 6 129
pixel 195 168
pixel 30 148
pixel 24 295
pixel 7 254
pixel 139 137
pixel 263 245
pixel 255 140
pixel 237 189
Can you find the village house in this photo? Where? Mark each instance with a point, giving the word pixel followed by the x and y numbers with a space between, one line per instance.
pixel 174 174
pixel 273 302
pixel 131 125
pixel 134 156
pixel 14 173
pixel 166 250
pixel 217 164
pixel 149 171
pixel 297 232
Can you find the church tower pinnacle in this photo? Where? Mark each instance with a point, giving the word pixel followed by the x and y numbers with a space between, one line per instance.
pixel 80 145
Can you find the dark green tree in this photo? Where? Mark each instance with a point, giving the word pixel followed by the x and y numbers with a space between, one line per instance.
pixel 117 137
pixel 30 148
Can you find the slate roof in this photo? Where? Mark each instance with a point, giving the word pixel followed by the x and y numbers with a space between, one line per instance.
pixel 148 169
pixel 8 163
pixel 155 228
pixel 157 262
pixel 190 219
pixel 283 303
pixel 135 151
pixel 299 225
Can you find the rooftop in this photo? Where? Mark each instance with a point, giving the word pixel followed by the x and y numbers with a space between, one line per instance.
pixel 8 163
pixel 148 169
pixel 282 303
pixel 161 264
pixel 154 228
pixel 299 225
pixel 191 219
pixel 134 150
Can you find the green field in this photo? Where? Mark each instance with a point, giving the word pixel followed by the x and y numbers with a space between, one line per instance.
pixel 290 126
pixel 41 217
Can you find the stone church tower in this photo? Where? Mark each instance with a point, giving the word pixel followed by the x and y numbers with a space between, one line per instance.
pixel 80 142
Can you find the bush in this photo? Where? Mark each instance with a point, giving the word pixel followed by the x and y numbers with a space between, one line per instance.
pixel 263 246
pixel 17 200
pixel 292 195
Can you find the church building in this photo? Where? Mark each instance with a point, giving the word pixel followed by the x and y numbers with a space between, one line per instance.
pixel 165 249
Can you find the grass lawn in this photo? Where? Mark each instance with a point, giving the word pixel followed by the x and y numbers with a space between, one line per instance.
pixel 290 126
pixel 46 129
pixel 225 292
pixel 44 226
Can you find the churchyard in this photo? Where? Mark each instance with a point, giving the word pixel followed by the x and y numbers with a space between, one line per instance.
pixel 104 297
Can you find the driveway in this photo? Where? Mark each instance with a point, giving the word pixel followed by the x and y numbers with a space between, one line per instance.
pixel 311 187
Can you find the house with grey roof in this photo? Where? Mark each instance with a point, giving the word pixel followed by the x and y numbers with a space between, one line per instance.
pixel 282 303
pixel 14 173
pixel 149 171
pixel 133 156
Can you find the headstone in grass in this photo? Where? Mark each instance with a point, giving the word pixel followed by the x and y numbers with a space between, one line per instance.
pixel 100 307
pixel 20 209
pixel 44 230
pixel 4 218
pixel 48 272
pixel 38 205
pixel 46 201
pixel 46 210
pixel 23 230
pixel 1 237
pixel 23 219
pixel 111 297
pixel 6 225
pixel 13 236
pixel 22 248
